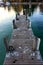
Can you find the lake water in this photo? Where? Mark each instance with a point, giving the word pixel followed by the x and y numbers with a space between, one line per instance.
pixel 6 28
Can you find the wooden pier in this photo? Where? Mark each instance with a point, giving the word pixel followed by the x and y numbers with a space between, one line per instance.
pixel 24 42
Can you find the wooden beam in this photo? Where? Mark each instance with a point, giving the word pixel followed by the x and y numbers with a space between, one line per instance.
pixel 26 3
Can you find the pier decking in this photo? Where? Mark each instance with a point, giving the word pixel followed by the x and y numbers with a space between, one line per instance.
pixel 24 43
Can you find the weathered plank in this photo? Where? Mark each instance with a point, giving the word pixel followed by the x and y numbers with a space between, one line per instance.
pixel 23 41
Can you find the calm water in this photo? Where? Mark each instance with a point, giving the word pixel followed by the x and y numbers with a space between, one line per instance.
pixel 37 27
pixel 6 28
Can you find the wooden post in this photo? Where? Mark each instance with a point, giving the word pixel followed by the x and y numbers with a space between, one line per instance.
pixel 8 48
pixel 17 16
pixel 24 11
pixel 36 40
pixel 14 25
pixel 30 8
pixel 35 44
pixel 6 43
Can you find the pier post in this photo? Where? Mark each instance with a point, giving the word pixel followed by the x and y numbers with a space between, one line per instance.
pixel 7 46
pixel 36 40
pixel 30 8
pixel 14 25
pixel 24 11
pixel 6 43
pixel 17 16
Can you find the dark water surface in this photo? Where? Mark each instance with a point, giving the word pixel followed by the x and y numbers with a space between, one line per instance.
pixel 37 27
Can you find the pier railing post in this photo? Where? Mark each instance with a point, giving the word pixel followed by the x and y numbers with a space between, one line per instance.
pixel 14 25
pixel 30 8
pixel 7 46
pixel 6 43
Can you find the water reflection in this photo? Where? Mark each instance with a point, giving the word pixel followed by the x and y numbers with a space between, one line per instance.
pixel 37 9
pixel 4 13
pixel 6 29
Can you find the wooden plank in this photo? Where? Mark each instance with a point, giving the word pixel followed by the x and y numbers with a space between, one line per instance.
pixel 24 43
pixel 26 62
pixel 26 3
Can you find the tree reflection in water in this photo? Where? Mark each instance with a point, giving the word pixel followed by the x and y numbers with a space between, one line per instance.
pixel 17 8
